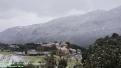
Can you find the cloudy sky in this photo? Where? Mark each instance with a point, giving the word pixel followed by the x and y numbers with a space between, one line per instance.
pixel 27 12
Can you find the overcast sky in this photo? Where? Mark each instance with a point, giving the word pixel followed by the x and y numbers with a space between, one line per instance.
pixel 27 12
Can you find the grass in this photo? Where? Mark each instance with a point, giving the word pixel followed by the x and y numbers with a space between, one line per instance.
pixel 31 59
pixel 6 53
pixel 34 59
pixel 37 59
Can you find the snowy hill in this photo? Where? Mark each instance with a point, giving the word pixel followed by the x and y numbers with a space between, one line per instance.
pixel 79 29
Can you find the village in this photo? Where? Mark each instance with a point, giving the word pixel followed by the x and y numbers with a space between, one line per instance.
pixel 39 50
pixel 46 49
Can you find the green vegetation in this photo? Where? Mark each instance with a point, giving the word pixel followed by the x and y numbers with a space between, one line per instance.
pixel 47 60
pixel 34 59
pixel 50 61
pixel 6 53
pixel 62 63
pixel 104 53
pixel 17 65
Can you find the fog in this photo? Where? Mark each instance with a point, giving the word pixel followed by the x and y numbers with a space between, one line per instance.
pixel 27 12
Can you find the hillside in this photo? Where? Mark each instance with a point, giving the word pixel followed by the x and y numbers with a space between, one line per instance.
pixel 81 29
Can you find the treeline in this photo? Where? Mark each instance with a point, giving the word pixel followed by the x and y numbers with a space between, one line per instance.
pixel 35 46
pixel 17 47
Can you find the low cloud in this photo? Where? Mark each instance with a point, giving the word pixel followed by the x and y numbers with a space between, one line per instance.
pixel 76 12
pixel 13 18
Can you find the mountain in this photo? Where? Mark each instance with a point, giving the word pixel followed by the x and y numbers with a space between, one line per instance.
pixel 80 29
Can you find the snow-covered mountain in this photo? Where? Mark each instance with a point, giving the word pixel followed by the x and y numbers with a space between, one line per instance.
pixel 79 29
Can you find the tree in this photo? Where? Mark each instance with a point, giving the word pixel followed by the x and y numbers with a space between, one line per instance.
pixel 62 63
pixel 50 61
pixel 115 35
pixel 30 66
pixel 104 53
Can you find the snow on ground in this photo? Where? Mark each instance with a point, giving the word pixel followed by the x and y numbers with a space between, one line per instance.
pixel 6 60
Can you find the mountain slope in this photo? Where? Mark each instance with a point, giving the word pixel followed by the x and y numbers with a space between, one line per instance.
pixel 80 29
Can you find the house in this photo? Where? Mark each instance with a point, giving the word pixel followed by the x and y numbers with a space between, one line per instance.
pixel 32 52
pixel 13 46
pixel 20 53
pixel 63 49
pixel 46 53
pixel 49 44
pixel 37 53
pixel 72 51
pixel 79 51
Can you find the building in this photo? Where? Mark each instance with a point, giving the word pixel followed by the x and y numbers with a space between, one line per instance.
pixel 13 46
pixel 20 53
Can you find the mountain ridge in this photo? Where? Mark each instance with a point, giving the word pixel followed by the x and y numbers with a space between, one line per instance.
pixel 80 29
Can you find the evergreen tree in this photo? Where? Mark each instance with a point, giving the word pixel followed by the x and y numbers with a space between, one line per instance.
pixel 62 63
pixel 104 53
